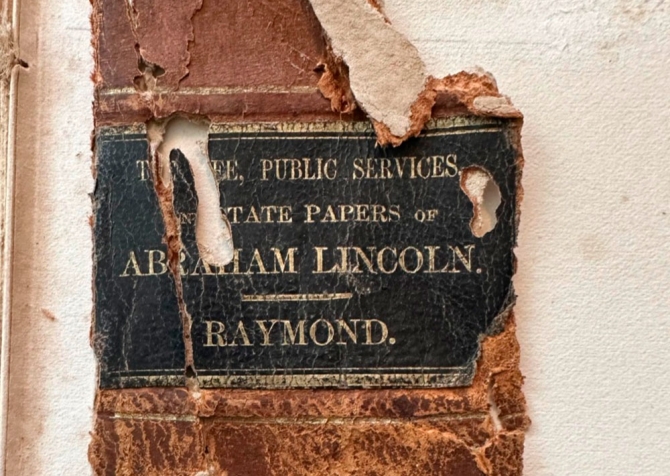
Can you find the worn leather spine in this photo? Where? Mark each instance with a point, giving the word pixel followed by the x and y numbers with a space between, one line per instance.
pixel 264 61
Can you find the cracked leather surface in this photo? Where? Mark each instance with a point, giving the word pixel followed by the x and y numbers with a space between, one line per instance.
pixel 267 73
pixel 373 275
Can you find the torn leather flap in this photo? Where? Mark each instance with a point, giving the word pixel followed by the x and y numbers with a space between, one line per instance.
pixel 155 59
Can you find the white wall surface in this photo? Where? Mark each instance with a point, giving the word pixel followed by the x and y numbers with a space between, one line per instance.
pixel 592 78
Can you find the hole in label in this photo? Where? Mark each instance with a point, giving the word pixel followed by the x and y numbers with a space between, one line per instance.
pixel 484 194
pixel 212 229
pixel 190 372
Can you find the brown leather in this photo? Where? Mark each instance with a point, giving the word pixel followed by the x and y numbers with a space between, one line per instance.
pixel 255 60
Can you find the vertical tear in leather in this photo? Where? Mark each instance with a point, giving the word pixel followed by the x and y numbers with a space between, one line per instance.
pixel 213 234
pixel 160 167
